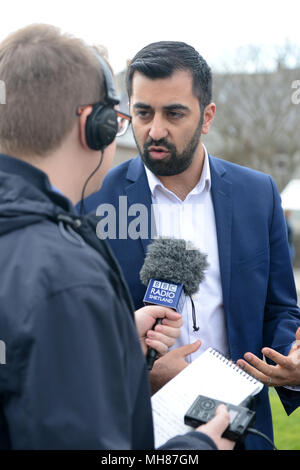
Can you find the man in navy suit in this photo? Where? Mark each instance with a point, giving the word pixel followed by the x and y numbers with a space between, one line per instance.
pixel 247 304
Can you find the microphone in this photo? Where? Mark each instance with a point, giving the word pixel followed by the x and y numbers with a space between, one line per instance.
pixel 173 269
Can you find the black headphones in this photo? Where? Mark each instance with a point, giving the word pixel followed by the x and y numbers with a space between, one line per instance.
pixel 102 124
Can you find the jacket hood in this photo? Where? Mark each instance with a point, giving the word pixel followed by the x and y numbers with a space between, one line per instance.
pixel 26 196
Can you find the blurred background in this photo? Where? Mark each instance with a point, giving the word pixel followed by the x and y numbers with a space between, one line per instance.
pixel 253 48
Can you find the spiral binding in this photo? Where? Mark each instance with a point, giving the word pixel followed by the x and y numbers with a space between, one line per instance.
pixel 234 366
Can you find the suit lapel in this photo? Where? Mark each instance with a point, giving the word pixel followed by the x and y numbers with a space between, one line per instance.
pixel 222 201
pixel 138 192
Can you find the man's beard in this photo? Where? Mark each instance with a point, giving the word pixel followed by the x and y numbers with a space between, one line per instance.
pixel 175 163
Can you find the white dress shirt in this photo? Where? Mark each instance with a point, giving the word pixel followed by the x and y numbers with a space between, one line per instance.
pixel 194 221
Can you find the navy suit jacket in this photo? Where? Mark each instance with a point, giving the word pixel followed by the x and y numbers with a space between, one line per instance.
pixel 259 295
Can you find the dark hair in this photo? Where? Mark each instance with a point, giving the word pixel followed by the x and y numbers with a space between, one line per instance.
pixel 161 59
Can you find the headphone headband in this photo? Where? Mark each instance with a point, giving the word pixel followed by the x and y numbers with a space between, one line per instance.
pixel 102 124
pixel 111 94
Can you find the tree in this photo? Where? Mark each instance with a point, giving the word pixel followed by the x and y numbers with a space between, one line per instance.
pixel 256 121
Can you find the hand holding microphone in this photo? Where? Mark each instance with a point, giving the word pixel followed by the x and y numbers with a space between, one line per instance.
pixel 172 270
pixel 163 336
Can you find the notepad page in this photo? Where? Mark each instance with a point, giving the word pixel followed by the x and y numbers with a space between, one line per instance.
pixel 210 375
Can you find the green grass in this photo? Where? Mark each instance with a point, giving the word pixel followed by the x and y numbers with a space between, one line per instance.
pixel 286 428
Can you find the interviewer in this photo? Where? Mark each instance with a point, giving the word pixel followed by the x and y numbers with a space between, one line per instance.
pixel 75 376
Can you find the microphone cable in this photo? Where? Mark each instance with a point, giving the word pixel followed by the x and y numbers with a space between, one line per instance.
pixel 258 433
pixel 82 208
pixel 195 327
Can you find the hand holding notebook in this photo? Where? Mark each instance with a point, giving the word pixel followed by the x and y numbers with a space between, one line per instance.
pixel 211 375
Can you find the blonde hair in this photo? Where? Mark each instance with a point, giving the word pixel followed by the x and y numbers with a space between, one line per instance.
pixel 47 74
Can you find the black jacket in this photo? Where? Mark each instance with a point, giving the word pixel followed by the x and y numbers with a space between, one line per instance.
pixel 75 376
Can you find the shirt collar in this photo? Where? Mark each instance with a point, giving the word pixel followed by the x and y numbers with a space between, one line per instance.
pixel 203 185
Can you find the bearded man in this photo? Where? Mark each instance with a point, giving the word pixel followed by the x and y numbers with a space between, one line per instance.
pixel 247 305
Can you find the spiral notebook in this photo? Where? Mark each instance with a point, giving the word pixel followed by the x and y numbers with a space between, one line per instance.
pixel 211 375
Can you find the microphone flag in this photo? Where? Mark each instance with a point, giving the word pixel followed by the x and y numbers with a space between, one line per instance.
pixel 167 294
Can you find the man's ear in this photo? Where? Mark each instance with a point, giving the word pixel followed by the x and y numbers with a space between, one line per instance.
pixel 82 123
pixel 209 113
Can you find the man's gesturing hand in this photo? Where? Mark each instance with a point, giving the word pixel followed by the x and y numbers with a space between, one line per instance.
pixel 171 364
pixel 285 372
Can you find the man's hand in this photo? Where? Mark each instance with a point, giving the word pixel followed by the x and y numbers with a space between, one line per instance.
pixel 171 364
pixel 163 336
pixel 215 428
pixel 286 372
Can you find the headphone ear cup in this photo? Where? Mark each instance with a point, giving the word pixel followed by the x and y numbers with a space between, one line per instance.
pixel 101 127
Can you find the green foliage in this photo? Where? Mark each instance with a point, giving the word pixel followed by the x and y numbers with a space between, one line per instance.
pixel 286 428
